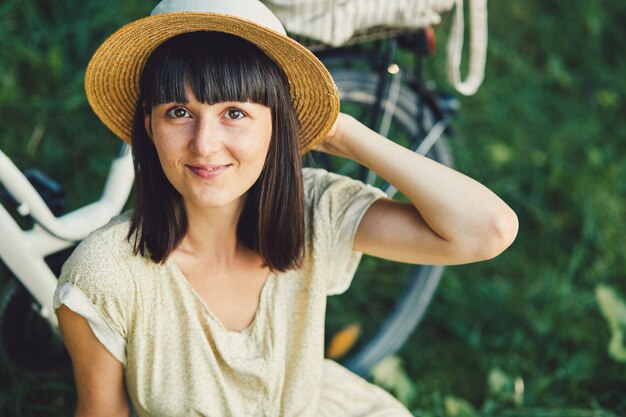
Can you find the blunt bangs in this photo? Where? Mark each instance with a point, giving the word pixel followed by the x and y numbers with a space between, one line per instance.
pixel 218 67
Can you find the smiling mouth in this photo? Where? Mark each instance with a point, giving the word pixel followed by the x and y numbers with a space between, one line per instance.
pixel 208 171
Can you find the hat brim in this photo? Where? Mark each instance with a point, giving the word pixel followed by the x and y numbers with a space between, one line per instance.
pixel 112 77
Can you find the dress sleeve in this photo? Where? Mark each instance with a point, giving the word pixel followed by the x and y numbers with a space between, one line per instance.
pixel 99 288
pixel 336 205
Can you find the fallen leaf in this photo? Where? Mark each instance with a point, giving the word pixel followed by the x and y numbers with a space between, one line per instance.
pixel 343 341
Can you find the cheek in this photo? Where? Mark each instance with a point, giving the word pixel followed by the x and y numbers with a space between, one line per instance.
pixel 168 155
pixel 169 144
pixel 262 133
pixel 164 152
pixel 265 138
pixel 256 147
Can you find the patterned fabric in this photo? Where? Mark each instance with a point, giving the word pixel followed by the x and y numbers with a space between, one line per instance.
pixel 181 361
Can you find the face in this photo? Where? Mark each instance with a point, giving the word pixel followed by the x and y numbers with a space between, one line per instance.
pixel 211 154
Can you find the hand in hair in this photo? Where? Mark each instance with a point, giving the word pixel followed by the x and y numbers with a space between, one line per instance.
pixel 451 218
pixel 332 141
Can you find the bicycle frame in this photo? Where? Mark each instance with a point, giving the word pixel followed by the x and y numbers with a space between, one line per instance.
pixel 23 251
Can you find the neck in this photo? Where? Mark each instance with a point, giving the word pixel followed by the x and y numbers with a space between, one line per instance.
pixel 212 233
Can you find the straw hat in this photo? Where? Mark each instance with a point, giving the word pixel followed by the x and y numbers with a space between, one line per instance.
pixel 112 77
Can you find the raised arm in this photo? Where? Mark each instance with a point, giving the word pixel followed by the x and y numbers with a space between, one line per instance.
pixel 98 375
pixel 452 219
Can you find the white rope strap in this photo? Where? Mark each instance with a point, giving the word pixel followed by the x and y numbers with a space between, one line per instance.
pixel 478 47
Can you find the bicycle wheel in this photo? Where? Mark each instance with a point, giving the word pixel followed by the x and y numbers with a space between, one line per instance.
pixel 398 311
pixel 28 343
pixel 27 340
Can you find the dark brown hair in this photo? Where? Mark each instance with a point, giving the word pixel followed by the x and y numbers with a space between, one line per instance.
pixel 220 67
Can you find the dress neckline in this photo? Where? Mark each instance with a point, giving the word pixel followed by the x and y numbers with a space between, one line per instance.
pixel 269 282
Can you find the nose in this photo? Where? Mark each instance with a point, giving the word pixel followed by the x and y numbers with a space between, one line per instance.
pixel 208 138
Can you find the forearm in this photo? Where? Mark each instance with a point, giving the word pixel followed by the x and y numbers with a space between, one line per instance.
pixel 456 207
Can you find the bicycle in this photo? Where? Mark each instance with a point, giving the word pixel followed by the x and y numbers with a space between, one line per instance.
pixel 37 240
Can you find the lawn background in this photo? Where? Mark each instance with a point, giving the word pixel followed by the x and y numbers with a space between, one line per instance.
pixel 545 132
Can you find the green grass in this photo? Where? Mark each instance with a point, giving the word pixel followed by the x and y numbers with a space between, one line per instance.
pixel 545 132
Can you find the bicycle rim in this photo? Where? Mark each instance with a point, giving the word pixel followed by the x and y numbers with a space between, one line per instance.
pixel 27 342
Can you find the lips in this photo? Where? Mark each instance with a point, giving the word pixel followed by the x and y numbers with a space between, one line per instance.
pixel 208 171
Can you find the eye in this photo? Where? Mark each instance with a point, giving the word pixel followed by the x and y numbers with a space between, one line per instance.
pixel 178 113
pixel 234 114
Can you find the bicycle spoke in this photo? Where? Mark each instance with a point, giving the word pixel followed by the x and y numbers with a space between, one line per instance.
pixel 389 106
pixel 434 134
pixel 391 101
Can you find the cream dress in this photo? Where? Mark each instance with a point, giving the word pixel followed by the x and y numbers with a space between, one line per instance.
pixel 179 360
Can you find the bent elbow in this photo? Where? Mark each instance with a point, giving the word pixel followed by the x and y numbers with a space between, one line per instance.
pixel 504 230
pixel 508 228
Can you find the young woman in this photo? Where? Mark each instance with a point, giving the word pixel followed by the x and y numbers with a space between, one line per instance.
pixel 209 297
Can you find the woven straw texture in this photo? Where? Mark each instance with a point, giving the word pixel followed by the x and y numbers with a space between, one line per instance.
pixel 112 77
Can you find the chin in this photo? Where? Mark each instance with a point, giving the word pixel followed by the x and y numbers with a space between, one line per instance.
pixel 216 201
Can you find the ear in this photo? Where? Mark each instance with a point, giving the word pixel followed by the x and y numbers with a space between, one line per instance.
pixel 147 122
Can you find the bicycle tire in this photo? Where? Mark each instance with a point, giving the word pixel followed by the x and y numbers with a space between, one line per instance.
pixel 27 341
pixel 357 88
